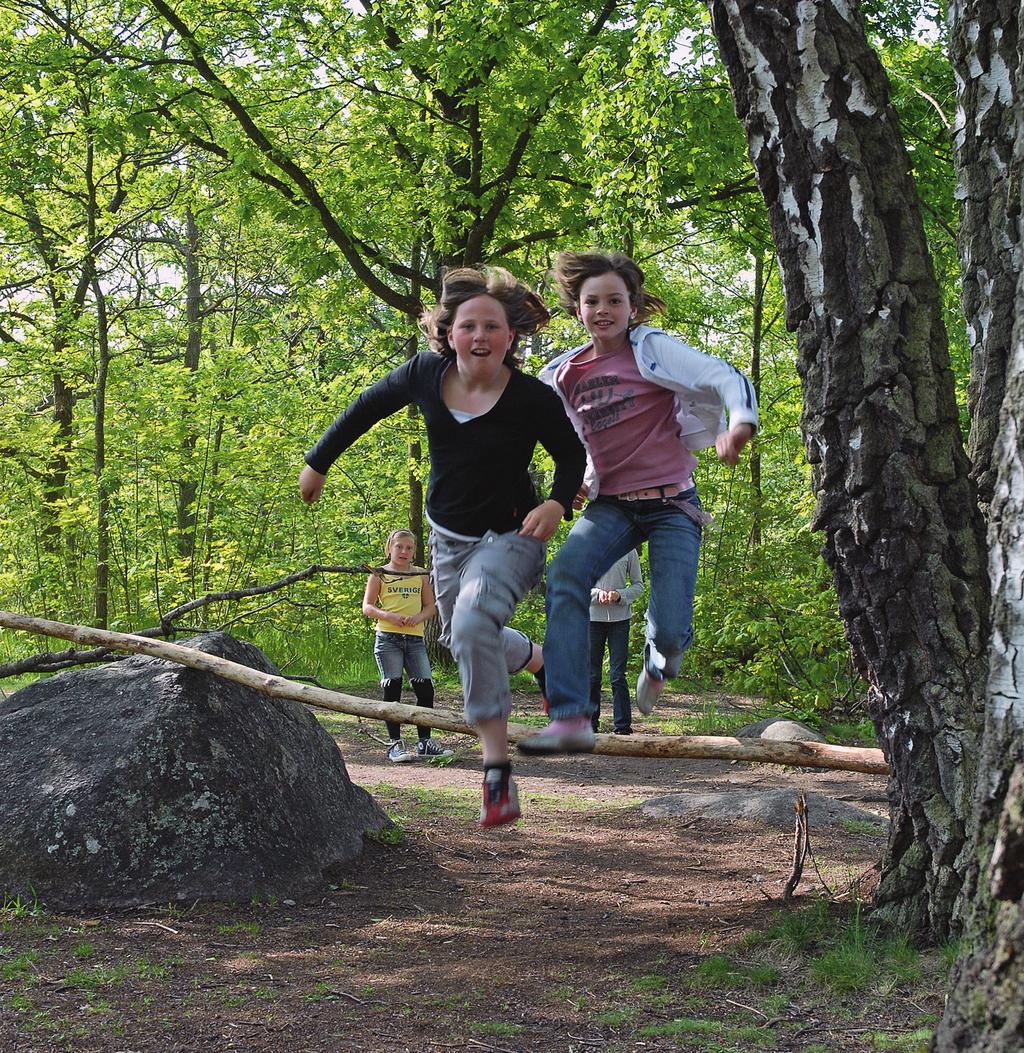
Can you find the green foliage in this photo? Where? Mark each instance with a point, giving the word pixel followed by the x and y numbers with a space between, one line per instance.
pixel 249 282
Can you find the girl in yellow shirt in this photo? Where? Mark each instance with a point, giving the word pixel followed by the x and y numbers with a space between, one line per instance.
pixel 401 605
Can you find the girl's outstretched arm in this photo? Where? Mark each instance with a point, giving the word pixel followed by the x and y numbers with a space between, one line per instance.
pixel 311 484
pixel 729 444
pixel 390 394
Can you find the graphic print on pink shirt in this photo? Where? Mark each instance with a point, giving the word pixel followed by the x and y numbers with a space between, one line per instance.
pixel 629 424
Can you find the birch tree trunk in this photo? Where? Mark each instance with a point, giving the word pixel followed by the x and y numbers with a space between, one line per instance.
pixel 903 534
pixel 985 1009
pixel 984 53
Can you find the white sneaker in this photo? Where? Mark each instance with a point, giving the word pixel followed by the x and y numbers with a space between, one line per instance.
pixel 648 688
pixel 398 754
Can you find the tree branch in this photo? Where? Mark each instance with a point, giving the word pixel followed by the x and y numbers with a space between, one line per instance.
pixel 280 160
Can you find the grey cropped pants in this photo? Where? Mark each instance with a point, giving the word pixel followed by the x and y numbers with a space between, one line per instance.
pixel 478 585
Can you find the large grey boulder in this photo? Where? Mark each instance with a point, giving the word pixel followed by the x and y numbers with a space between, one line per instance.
pixel 148 782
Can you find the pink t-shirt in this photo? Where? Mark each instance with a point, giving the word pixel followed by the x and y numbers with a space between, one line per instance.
pixel 629 424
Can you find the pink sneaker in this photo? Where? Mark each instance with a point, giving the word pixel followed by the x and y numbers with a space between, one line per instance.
pixel 574 735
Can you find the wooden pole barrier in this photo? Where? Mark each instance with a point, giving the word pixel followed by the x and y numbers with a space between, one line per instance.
pixel 799 754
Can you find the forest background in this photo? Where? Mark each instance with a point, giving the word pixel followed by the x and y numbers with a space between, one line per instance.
pixel 219 223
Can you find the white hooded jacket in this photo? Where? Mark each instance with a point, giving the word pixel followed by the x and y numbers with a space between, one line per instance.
pixel 704 386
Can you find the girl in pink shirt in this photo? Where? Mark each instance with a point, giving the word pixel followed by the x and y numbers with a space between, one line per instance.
pixel 642 402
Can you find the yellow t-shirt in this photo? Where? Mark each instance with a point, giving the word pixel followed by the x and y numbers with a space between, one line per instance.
pixel 401 595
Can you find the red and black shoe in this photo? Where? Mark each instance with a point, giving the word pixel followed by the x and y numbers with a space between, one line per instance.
pixel 501 799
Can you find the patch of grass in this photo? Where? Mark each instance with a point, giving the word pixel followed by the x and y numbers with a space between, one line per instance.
pixel 858 958
pixel 912 1042
pixel 496 1027
pixel 763 975
pixel 249 927
pixel 718 971
pixel 714 1036
pixel 796 931
pixel 427 803
pixel 902 960
pixel 320 992
pixel 21 906
pixel 83 950
pixel 20 1003
pixel 537 720
pixel 94 976
pixel 18 966
pixel 393 834
pixel 775 1004
pixel 949 953
pixel 863 826
pixel 681 1026
pixel 333 723
pixel 708 721
pixel 90 978
pixel 848 967
pixel 616 1017
pixel 358 669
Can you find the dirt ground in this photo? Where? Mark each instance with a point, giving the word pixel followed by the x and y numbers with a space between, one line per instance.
pixel 588 926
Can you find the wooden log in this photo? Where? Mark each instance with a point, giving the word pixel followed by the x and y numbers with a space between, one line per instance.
pixel 800 754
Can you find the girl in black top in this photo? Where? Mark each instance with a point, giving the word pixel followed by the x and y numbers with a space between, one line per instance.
pixel 484 419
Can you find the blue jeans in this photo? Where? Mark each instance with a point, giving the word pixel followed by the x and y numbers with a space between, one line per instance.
pixel 395 652
pixel 616 636
pixel 607 530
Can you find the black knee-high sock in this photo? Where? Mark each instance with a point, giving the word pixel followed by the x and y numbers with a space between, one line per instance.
pixel 391 691
pixel 424 692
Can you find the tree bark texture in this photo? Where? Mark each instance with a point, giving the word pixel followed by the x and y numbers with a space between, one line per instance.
pixel 985 1009
pixel 984 54
pixel 903 535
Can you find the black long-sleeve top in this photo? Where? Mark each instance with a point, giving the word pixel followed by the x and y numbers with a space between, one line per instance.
pixel 479 477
